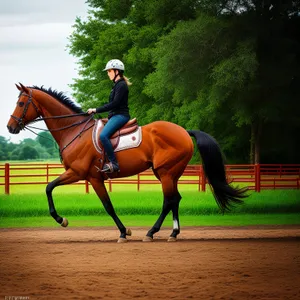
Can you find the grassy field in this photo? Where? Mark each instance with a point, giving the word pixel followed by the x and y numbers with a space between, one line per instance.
pixel 143 208
pixel 149 220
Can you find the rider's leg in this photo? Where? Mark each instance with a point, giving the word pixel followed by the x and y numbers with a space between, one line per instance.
pixel 113 124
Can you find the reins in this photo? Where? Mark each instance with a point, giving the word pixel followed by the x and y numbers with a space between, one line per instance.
pixel 86 121
pixel 79 134
pixel 28 127
pixel 58 117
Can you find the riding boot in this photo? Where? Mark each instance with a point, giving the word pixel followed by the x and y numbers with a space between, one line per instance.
pixel 111 167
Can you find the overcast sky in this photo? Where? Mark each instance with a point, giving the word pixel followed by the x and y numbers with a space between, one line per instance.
pixel 33 39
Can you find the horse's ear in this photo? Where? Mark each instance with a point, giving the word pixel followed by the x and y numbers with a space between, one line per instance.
pixel 24 88
pixel 18 87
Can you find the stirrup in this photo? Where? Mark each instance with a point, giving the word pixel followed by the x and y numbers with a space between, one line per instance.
pixel 110 168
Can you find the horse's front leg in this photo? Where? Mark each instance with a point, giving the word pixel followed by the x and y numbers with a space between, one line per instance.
pixel 66 178
pixel 101 191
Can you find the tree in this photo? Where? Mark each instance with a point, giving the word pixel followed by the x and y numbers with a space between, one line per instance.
pixel 46 140
pixel 42 152
pixel 2 155
pixel 28 142
pixel 127 30
pixel 15 154
pixel 3 148
pixel 201 65
pixel 49 145
pixel 28 152
pixel 44 147
pixel 227 67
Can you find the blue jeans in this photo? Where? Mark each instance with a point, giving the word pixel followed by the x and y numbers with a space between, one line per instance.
pixel 113 124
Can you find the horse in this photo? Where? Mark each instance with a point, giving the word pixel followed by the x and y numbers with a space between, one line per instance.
pixel 165 147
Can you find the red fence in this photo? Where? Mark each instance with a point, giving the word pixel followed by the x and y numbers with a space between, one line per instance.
pixel 256 177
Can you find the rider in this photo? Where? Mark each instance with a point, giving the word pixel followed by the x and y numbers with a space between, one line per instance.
pixel 118 111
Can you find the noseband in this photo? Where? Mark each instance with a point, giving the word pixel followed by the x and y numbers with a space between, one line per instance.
pixel 20 120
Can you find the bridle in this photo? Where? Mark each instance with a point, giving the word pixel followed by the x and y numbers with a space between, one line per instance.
pixel 20 120
pixel 22 125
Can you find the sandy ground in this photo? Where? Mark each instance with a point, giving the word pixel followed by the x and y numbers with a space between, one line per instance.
pixel 205 263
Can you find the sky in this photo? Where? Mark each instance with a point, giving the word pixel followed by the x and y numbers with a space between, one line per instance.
pixel 33 39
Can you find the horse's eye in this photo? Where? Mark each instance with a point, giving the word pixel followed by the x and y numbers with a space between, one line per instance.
pixel 21 104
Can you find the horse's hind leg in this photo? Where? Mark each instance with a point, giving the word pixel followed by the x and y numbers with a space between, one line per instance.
pixel 175 210
pixel 171 202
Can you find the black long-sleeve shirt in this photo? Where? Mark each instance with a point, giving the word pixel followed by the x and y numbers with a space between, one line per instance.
pixel 118 100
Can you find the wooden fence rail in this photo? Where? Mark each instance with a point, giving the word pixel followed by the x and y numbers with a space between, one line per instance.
pixel 256 177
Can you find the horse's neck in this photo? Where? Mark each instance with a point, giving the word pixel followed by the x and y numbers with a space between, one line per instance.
pixel 53 108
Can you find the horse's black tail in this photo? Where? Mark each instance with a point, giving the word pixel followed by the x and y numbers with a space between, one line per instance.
pixel 214 169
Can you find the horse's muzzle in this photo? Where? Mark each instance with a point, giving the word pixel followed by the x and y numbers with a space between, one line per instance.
pixel 14 129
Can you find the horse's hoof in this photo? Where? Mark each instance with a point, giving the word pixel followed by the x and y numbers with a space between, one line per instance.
pixel 64 223
pixel 147 239
pixel 122 240
pixel 128 231
pixel 172 239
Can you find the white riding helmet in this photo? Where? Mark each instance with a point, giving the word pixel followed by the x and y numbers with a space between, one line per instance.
pixel 114 64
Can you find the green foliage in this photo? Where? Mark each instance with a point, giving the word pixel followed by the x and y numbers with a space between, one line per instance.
pixel 43 147
pixel 28 152
pixel 230 68
pixel 45 139
pixel 4 148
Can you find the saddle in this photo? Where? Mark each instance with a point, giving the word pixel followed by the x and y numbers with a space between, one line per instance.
pixel 129 136
pixel 129 127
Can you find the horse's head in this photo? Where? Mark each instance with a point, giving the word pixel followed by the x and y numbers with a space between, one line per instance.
pixel 27 110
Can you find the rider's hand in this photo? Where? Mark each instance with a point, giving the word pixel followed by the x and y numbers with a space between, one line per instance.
pixel 91 110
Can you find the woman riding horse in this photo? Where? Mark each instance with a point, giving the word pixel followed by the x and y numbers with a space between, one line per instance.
pixel 165 147
pixel 118 111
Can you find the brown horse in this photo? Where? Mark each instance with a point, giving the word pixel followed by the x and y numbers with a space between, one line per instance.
pixel 166 148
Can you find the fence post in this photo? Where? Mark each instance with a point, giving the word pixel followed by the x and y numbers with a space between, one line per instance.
pixel 203 183
pixel 110 185
pixel 138 182
pixel 257 178
pixel 47 173
pixel 280 172
pixel 199 178
pixel 6 179
pixel 87 187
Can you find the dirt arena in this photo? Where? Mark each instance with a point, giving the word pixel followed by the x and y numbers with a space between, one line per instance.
pixel 205 263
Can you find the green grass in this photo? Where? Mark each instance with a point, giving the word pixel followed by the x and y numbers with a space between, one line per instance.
pixel 149 220
pixel 27 205
pixel 145 203
pixel 143 208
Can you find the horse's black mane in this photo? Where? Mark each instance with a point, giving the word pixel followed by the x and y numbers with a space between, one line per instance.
pixel 60 97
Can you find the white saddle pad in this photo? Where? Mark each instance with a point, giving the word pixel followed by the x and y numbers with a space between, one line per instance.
pixel 131 140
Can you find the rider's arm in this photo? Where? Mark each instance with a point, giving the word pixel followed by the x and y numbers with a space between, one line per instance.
pixel 120 93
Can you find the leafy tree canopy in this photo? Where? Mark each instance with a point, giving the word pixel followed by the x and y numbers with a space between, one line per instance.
pixel 230 68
